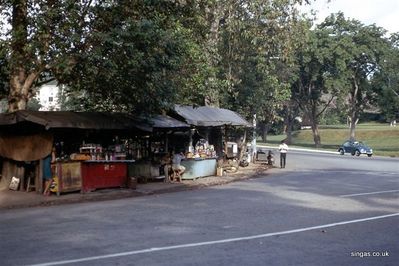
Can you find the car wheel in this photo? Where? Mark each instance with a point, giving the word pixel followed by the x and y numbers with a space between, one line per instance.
pixel 357 153
pixel 353 153
pixel 369 155
pixel 341 151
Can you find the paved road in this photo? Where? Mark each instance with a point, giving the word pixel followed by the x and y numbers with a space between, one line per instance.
pixel 323 209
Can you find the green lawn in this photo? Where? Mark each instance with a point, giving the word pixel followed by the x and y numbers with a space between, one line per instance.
pixel 383 139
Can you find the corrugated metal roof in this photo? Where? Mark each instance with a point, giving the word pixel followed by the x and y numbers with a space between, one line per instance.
pixel 89 120
pixel 164 121
pixel 210 116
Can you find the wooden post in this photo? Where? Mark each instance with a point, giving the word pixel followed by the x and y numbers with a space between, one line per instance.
pixel 166 142
pixel 39 177
pixel 225 139
pixel 21 175
pixel 7 174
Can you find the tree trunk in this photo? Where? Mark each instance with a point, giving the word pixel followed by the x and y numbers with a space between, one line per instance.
pixel 243 145
pixel 214 14
pixel 316 134
pixel 17 99
pixel 354 117
pixel 353 120
pixel 265 130
pixel 21 80
pixel 314 117
pixel 288 131
pixel 21 90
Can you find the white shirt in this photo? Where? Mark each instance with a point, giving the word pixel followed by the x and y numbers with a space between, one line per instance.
pixel 283 148
pixel 177 158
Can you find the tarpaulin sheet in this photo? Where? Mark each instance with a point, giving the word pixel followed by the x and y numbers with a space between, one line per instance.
pixel 26 147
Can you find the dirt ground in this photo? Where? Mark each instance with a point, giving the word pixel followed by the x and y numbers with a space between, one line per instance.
pixel 10 199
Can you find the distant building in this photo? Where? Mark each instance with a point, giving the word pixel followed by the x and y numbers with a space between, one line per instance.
pixel 48 96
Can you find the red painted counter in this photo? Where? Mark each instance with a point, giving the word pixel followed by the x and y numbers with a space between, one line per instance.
pixel 90 175
pixel 103 174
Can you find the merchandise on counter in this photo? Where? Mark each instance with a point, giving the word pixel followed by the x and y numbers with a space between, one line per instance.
pixel 202 150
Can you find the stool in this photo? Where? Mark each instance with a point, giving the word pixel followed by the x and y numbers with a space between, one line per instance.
pixel 30 184
pixel 176 175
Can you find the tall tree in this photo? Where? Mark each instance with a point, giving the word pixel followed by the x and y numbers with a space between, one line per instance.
pixel 41 34
pixel 358 53
pixel 123 54
pixel 257 37
pixel 136 55
pixel 145 55
pixel 316 82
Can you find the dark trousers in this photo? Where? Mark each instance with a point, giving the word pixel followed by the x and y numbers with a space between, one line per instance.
pixel 283 157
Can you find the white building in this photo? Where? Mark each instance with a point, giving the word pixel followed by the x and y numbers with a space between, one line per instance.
pixel 48 96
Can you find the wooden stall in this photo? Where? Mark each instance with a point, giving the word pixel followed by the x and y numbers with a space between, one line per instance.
pixel 89 150
pixel 207 141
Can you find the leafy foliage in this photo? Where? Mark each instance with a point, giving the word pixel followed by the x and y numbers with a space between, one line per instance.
pixel 41 38
pixel 255 57
pixel 4 86
pixel 336 66
pixel 256 37
pixel 386 82
pixel 360 51
pixel 134 60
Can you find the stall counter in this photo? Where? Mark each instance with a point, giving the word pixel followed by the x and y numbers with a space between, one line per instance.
pixel 90 175
pixel 67 177
pixel 199 167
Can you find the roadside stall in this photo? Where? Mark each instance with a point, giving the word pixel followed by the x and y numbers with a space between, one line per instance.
pixel 155 165
pixel 207 139
pixel 86 172
pixel 83 151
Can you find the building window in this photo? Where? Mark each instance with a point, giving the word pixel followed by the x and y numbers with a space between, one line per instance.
pixel 50 99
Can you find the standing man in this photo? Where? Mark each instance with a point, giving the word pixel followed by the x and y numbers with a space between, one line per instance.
pixel 283 148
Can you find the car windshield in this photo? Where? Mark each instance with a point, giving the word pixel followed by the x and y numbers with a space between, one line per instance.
pixel 360 143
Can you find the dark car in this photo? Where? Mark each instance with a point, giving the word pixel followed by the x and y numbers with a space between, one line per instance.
pixel 355 148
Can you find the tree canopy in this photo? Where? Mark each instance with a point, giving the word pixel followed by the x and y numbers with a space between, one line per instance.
pixel 255 57
pixel 336 67
pixel 386 82
pixel 145 55
pixel 358 54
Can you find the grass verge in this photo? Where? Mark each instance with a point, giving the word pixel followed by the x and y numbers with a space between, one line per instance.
pixel 383 139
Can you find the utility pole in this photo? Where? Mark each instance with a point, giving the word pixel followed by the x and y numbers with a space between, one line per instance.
pixel 254 138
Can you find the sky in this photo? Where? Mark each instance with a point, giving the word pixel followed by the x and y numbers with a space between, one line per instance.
pixel 383 13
